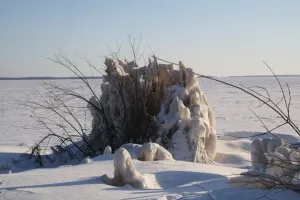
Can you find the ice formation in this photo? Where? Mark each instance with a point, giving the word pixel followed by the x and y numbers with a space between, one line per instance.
pixel 273 157
pixel 187 121
pixel 107 150
pixel 275 164
pixel 283 164
pixel 114 121
pixel 125 172
pixel 152 152
pixel 87 160
pixel 97 141
pixel 177 113
pixel 148 151
pixel 259 149
pixel 132 148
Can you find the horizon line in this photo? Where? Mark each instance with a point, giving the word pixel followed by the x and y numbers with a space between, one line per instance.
pixel 48 77
pixel 100 77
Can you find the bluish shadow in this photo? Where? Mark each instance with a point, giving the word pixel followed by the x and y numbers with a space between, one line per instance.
pixel 93 180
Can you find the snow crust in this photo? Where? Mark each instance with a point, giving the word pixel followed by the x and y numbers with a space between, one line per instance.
pixel 165 179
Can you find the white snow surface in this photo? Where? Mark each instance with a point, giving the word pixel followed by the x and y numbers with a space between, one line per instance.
pixel 168 179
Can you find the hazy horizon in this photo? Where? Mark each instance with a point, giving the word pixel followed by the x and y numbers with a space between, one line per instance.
pixel 217 38
pixel 100 77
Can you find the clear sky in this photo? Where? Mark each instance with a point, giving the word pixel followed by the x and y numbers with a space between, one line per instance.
pixel 214 37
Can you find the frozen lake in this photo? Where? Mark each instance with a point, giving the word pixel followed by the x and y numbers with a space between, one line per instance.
pixel 231 106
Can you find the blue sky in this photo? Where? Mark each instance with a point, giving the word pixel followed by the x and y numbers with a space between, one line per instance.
pixel 214 37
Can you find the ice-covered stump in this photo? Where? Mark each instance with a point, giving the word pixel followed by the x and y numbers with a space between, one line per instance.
pixel 187 122
pixel 125 172
pixel 129 101
pixel 97 138
pixel 154 103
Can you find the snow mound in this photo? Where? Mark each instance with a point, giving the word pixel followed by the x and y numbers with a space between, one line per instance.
pixel 152 152
pixel 86 160
pixel 125 172
pixel 107 150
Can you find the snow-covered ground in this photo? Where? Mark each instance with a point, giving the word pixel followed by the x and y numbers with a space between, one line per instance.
pixel 169 179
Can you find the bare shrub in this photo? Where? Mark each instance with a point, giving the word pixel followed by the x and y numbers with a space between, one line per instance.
pixel 124 112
